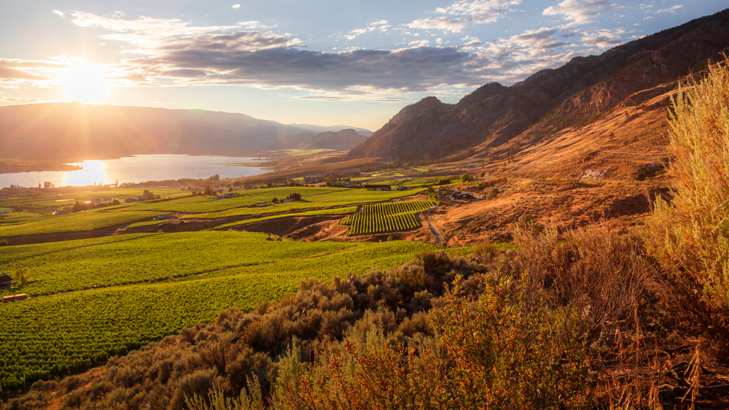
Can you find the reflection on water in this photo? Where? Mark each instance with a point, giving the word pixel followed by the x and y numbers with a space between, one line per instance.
pixel 140 168
pixel 93 172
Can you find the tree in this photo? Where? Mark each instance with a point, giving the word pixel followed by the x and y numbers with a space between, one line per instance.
pixel 22 276
pixel 465 177
pixel 208 191
pixel 274 200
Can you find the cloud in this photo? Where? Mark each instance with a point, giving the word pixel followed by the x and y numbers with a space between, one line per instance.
pixel 380 25
pixel 411 69
pixel 463 13
pixel 440 23
pixel 254 25
pixel 235 6
pixel 13 74
pixel 60 13
pixel 419 43
pixel 145 33
pixel 671 10
pixel 177 53
pixel 20 100
pixel 580 11
pixel 470 43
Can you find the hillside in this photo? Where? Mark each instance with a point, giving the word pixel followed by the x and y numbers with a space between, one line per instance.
pixel 619 97
pixel 343 140
pixel 65 131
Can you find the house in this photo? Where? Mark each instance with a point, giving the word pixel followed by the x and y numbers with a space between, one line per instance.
pixel 5 281
pixel 432 209
pixel 128 200
pixel 217 197
pixel 15 298
pixel 229 195
pixel 286 201
pixel 4 211
pixel 165 216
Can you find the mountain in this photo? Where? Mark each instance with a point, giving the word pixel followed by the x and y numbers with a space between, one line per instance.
pixel 65 131
pixel 316 129
pixel 343 140
pixel 506 121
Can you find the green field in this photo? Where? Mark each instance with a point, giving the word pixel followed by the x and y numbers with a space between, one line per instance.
pixel 41 200
pixel 74 222
pixel 198 207
pixel 149 286
pixel 313 198
pixel 335 211
pixel 387 217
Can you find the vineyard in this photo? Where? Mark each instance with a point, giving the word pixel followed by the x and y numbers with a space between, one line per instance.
pixel 166 282
pixel 385 217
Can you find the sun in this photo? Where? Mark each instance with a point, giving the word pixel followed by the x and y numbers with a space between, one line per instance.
pixel 85 84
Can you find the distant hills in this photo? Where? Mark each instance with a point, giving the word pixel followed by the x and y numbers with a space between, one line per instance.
pixel 343 140
pixel 555 108
pixel 65 131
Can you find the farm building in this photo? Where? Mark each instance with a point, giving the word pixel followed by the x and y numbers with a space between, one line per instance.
pixel 463 195
pixel 229 195
pixel 59 212
pixel 262 205
pixel 15 298
pixel 5 281
pixel 165 216
pixel 286 201
pixel 4 211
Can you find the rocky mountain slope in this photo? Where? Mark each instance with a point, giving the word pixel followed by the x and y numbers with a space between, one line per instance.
pixel 606 92
pixel 65 131
pixel 343 140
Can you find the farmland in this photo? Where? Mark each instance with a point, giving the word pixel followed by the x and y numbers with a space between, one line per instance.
pixel 93 298
pixel 177 201
pixel 387 217
pixel 149 286
pixel 324 212
pixel 74 222
pixel 315 198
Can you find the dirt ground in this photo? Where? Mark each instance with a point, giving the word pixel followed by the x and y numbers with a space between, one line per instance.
pixel 564 204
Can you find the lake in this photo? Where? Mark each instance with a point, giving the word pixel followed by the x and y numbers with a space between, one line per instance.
pixel 139 168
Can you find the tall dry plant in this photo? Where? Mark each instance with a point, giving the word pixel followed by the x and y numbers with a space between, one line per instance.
pixel 690 235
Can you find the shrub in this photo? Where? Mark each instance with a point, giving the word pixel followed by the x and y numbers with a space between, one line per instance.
pixel 3 242
pixel 690 236
pixel 465 177
pixel 496 352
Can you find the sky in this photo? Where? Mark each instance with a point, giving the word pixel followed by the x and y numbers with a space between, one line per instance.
pixel 319 62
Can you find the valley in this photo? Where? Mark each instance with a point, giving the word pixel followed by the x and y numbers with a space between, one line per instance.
pixel 561 242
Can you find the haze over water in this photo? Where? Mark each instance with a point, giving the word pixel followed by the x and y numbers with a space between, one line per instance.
pixel 136 169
